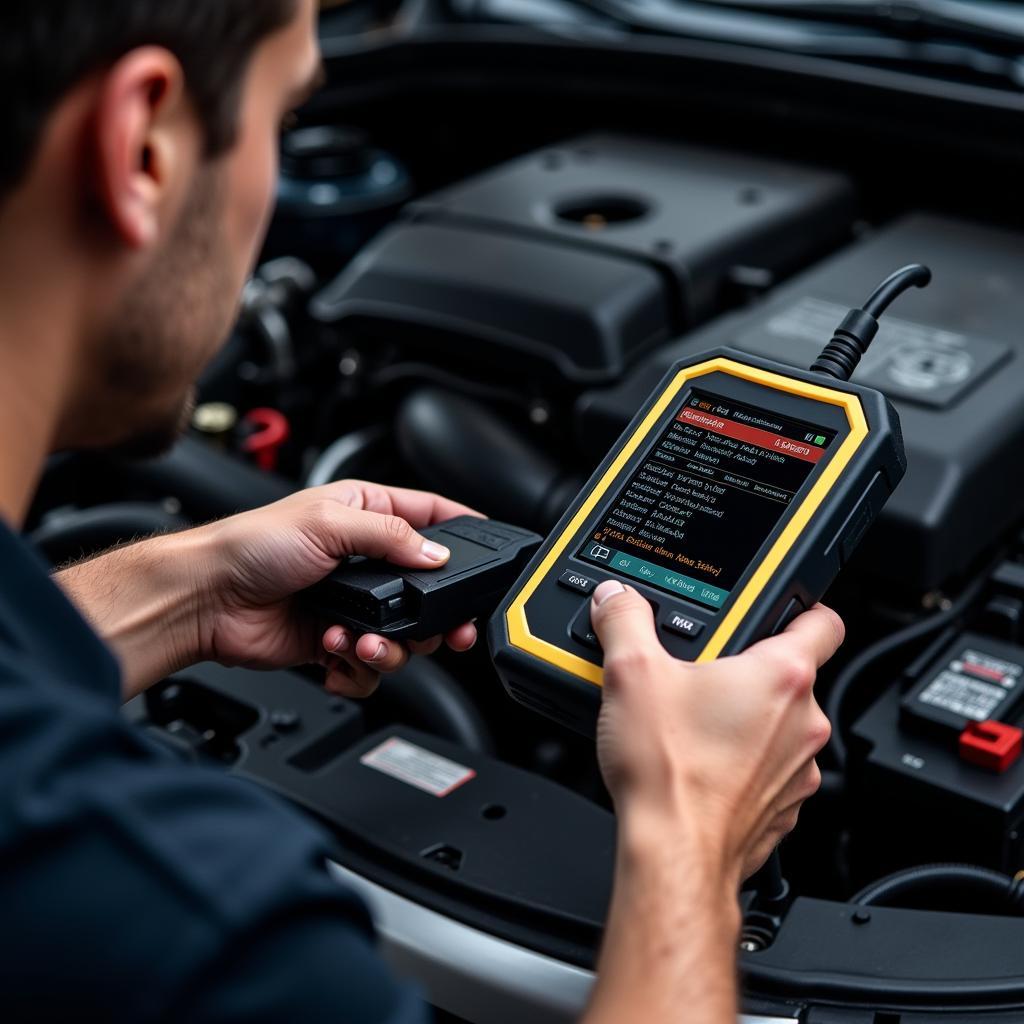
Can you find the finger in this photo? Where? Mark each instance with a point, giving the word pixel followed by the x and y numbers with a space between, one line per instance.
pixel 821 629
pixel 346 674
pixel 421 508
pixel 623 621
pixel 425 647
pixel 342 655
pixel 777 829
pixel 337 640
pixel 379 654
pixel 461 638
pixel 348 680
pixel 803 785
pixel 348 531
pixel 783 823
pixel 817 633
pixel 757 856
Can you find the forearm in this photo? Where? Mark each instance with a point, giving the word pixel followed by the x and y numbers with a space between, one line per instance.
pixel 669 951
pixel 144 601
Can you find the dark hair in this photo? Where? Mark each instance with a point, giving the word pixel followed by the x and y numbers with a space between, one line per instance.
pixel 48 46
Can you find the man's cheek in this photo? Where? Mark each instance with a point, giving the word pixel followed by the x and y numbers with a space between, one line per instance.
pixel 261 196
pixel 252 203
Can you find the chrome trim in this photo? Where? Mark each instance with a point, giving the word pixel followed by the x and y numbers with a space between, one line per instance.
pixel 474 975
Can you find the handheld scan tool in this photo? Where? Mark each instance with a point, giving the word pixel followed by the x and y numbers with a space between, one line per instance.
pixel 731 502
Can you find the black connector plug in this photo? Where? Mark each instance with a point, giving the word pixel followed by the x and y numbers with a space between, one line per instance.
pixel 839 358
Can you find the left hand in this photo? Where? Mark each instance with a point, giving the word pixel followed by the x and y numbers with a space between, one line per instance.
pixel 262 558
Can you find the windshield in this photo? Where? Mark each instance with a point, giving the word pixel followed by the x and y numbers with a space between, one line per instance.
pixel 981 40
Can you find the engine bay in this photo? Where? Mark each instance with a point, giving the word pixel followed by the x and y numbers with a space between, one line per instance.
pixel 472 282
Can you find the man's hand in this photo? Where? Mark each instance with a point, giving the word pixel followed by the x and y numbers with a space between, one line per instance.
pixel 725 748
pixel 708 766
pixel 224 591
pixel 268 555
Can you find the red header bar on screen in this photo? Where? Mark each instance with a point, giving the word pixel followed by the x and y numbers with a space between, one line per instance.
pixel 751 435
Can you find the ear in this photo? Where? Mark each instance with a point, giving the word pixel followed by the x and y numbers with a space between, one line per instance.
pixel 146 140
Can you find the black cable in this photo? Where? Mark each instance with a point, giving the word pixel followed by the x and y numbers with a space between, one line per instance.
pixel 839 358
pixel 910 882
pixel 770 885
pixel 879 649
pixel 913 276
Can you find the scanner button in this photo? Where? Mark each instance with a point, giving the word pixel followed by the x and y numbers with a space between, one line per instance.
pixel 681 624
pixel 574 581
pixel 582 630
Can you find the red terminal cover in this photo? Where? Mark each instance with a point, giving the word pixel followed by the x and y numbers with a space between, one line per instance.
pixel 270 430
pixel 992 745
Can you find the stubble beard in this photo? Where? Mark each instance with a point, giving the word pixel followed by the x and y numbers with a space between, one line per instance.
pixel 168 330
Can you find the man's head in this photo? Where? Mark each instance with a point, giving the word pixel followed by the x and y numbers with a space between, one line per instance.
pixel 136 180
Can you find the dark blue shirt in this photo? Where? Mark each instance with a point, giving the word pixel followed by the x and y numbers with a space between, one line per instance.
pixel 134 887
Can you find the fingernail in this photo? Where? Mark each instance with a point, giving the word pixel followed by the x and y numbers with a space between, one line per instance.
pixel 607 589
pixel 341 642
pixel 435 552
pixel 380 655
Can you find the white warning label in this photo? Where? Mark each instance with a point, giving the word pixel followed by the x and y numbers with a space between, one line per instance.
pixel 416 766
pixel 973 685
pixel 967 697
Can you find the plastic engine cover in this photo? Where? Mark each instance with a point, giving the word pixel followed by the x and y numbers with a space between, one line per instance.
pixel 575 260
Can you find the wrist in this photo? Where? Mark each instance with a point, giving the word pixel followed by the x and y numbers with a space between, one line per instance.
pixel 651 839
pixel 148 601
pixel 673 926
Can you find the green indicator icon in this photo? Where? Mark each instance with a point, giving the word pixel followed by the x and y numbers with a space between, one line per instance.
pixel 820 439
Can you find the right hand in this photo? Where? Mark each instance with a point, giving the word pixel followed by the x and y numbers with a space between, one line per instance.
pixel 724 749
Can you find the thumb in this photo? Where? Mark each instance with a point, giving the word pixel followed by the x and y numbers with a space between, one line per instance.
pixel 359 532
pixel 622 619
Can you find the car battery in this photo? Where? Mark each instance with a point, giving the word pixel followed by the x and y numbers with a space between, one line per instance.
pixel 942 746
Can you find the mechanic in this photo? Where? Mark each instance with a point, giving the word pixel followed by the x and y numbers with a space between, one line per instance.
pixel 136 180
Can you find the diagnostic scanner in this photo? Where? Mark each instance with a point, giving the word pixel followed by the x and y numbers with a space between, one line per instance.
pixel 371 596
pixel 731 502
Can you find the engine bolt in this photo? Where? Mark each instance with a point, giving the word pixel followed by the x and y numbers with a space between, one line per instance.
pixel 284 721
pixel 539 414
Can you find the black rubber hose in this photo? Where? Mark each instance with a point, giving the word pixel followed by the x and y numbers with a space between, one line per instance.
pixel 425 696
pixel 856 667
pixel 965 878
pixel 208 483
pixel 81 532
pixel 463 450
